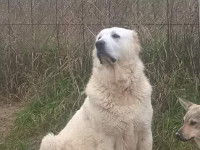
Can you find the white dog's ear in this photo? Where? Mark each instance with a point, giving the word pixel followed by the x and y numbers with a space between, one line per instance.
pixel 185 104
pixel 134 33
pixel 136 42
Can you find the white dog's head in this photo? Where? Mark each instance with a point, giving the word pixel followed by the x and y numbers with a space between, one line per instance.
pixel 113 44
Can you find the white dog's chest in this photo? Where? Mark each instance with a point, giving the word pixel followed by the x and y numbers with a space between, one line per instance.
pixel 119 120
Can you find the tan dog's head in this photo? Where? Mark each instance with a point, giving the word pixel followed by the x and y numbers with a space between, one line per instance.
pixel 191 127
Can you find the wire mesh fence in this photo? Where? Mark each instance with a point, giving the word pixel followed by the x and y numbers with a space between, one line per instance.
pixel 31 30
pixel 85 15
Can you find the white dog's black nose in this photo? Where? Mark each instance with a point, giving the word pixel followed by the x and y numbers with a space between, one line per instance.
pixel 100 45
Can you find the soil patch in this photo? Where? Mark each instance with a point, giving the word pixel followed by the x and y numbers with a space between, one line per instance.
pixel 8 110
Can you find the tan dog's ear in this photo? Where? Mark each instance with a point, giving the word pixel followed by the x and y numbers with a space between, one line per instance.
pixel 185 104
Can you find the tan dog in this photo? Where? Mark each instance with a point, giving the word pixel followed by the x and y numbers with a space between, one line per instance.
pixel 117 112
pixel 191 127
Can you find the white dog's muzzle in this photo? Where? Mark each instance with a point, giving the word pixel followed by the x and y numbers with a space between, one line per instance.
pixel 102 54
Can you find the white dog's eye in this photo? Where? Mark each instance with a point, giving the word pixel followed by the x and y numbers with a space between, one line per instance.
pixel 115 36
pixel 99 37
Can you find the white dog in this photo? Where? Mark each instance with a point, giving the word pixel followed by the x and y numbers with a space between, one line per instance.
pixel 117 112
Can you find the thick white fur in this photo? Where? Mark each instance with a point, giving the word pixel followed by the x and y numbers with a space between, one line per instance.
pixel 117 112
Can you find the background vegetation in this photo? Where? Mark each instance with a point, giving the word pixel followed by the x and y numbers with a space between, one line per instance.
pixel 45 60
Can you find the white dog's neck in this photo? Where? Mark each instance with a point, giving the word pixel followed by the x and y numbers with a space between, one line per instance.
pixel 121 74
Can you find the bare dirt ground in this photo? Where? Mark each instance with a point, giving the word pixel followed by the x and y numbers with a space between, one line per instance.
pixel 8 110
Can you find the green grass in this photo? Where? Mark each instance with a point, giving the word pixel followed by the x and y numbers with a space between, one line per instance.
pixel 50 110
pixel 47 112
